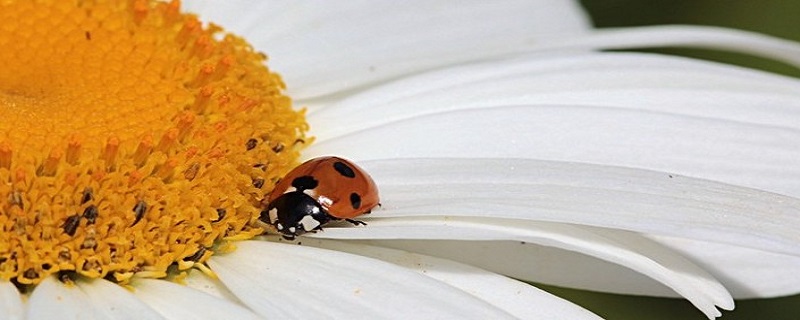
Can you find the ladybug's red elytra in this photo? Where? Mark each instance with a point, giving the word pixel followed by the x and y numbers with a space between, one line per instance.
pixel 319 191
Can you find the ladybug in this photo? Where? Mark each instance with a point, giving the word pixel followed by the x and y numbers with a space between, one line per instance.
pixel 319 191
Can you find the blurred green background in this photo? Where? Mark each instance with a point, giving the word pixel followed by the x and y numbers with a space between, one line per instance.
pixel 773 17
pixel 780 18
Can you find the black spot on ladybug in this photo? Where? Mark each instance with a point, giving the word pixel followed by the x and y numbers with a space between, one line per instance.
pixel 251 144
pixel 71 224
pixel 278 148
pixel 344 169
pixel 90 214
pixel 305 183
pixel 139 210
pixel 355 200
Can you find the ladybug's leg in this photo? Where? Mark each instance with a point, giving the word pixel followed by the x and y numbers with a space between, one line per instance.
pixel 314 230
pixel 289 237
pixel 356 222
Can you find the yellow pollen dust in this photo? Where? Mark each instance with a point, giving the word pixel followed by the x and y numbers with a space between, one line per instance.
pixel 132 139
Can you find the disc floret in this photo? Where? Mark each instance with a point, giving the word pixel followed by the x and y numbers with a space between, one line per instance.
pixel 133 139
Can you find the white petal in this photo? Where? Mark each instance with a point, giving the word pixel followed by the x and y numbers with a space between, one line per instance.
pixel 290 281
pixel 624 248
pixel 538 263
pixel 752 155
pixel 111 301
pixel 687 36
pixel 622 80
pixel 668 114
pixel 53 300
pixel 175 301
pixel 611 197
pixel 517 298
pixel 11 301
pixel 323 47
pixel 746 273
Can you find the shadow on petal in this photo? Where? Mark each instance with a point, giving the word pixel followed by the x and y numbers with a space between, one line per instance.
pixel 175 301
pixel 522 300
pixel 283 280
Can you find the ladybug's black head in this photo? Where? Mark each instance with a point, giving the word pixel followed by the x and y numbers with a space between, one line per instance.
pixel 294 213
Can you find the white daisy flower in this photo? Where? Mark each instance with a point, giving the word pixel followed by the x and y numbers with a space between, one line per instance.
pixel 504 144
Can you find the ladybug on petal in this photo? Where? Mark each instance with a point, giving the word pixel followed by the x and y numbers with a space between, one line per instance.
pixel 319 191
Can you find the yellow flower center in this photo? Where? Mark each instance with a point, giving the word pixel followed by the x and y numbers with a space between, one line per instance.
pixel 132 138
